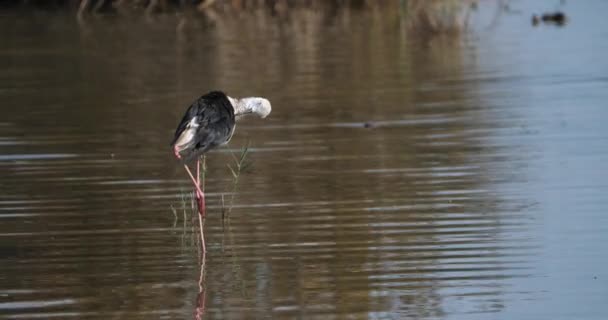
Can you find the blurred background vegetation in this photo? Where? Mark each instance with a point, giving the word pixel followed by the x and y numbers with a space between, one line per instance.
pixel 427 15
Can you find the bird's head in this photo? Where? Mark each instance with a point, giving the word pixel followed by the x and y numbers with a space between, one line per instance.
pixel 252 105
pixel 262 107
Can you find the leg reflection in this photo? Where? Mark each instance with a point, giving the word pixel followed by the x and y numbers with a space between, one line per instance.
pixel 201 297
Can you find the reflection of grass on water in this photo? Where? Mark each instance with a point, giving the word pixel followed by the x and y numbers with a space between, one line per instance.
pixel 189 215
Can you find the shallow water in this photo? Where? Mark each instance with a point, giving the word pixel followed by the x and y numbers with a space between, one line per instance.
pixel 400 175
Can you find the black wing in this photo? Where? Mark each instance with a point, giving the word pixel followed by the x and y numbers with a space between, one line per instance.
pixel 190 114
pixel 215 119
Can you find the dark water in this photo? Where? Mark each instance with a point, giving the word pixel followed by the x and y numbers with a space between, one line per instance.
pixel 476 191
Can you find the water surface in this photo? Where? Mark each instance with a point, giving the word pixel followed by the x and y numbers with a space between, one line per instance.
pixel 401 174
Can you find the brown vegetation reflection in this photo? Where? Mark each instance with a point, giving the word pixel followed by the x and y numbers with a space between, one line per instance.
pixel 372 192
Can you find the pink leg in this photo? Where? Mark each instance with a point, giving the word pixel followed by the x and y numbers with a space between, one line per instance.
pixel 199 195
pixel 201 200
pixel 200 225
pixel 198 171
pixel 201 206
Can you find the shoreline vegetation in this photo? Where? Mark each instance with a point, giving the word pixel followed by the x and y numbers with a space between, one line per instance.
pixel 437 16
